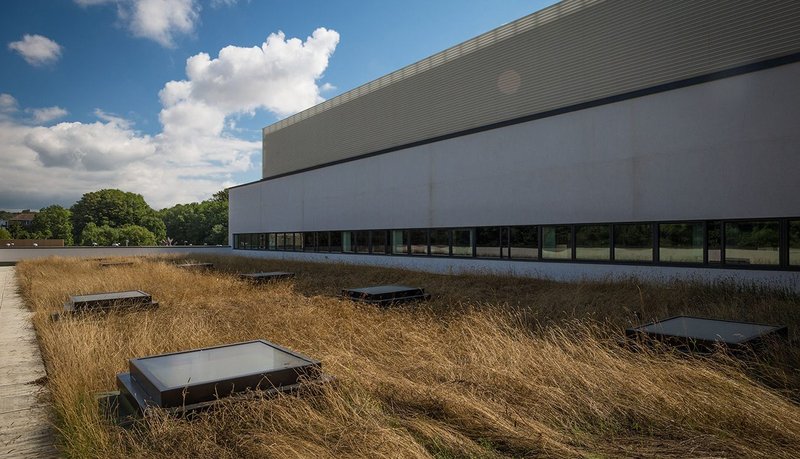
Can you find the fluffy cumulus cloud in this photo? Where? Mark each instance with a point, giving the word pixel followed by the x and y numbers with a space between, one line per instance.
pixel 37 50
pixel 196 152
pixel 157 20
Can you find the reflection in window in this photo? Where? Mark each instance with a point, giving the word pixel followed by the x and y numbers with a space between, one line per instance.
pixel 556 242
pixel 524 242
pixel 440 242
pixel 794 243
pixel 298 241
pixel 419 242
pixel 680 242
pixel 262 241
pixel 593 242
pixel 400 242
pixel 714 235
pixel 323 244
pixel 361 241
pixel 272 237
pixel 752 243
pixel 462 242
pixel 487 242
pixel 280 241
pixel 633 242
pixel 335 241
pixel 378 239
pixel 310 242
pixel 348 241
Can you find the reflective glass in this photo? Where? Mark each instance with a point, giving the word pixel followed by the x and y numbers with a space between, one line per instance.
pixel 378 239
pixel 487 242
pixel 794 243
pixel 752 243
pixel 361 241
pixel 633 242
pixel 323 241
pixel 714 233
pixel 272 241
pixel 400 242
pixel 335 241
pixel 462 242
pixel 419 242
pixel 524 242
pixel 556 242
pixel 593 242
pixel 440 242
pixel 262 241
pixel 348 241
pixel 680 242
pixel 309 242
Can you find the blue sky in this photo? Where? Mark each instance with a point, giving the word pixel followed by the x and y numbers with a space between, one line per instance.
pixel 98 93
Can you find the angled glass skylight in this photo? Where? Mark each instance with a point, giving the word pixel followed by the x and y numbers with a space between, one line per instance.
pixel 705 333
pixel 267 277
pixel 109 300
pixel 384 295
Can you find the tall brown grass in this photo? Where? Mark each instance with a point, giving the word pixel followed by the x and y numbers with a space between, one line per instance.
pixel 493 366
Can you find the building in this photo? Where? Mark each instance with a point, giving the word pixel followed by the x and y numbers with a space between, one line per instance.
pixel 23 219
pixel 590 139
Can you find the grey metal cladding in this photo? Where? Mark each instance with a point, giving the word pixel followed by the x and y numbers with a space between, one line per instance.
pixel 572 52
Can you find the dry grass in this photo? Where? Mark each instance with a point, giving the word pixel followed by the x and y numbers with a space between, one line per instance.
pixel 492 367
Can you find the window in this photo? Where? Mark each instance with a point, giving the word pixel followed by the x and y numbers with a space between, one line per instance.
pixel 400 242
pixel 462 242
pixel 794 243
pixel 361 241
pixel 714 235
pixel 298 242
pixel 593 242
pixel 419 242
pixel 524 242
pixel 487 242
pixel 310 242
pixel 272 241
pixel 335 241
pixel 557 242
pixel 680 242
pixel 633 242
pixel 752 243
pixel 323 241
pixel 348 241
pixel 440 242
pixel 378 240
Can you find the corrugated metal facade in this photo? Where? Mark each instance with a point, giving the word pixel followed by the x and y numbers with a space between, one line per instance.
pixel 572 52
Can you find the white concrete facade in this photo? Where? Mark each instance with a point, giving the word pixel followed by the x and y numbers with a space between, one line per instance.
pixel 724 149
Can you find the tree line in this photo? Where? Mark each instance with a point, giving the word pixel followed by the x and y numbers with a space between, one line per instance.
pixel 111 217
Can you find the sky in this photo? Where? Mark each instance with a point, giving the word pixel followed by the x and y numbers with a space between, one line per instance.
pixel 167 98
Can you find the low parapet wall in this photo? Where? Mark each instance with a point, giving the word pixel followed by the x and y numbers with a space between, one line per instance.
pixel 15 254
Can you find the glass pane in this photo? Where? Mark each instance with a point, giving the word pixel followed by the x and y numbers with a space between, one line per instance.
pixel 593 242
pixel 309 242
pixel 794 243
pixel 462 242
pixel 323 244
pixel 289 241
pixel 680 242
pixel 633 242
pixel 752 243
pixel 378 238
pixel 400 242
pixel 348 241
pixel 440 242
pixel 280 241
pixel 419 242
pixel 335 241
pixel 298 241
pixel 487 242
pixel 272 241
pixel 361 241
pixel 262 241
pixel 556 243
pixel 714 242
pixel 524 242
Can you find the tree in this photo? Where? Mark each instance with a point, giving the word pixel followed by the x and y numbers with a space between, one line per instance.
pixel 18 232
pixel 4 234
pixel 199 222
pixel 135 235
pixel 53 222
pixel 115 208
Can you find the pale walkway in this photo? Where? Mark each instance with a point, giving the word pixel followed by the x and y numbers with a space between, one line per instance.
pixel 25 430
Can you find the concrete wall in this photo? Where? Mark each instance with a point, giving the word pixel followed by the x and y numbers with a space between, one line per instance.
pixel 724 149
pixel 13 255
pixel 566 272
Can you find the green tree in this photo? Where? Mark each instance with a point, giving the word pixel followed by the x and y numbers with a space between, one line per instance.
pixel 115 208
pixel 4 234
pixel 18 232
pixel 135 235
pixel 198 222
pixel 53 222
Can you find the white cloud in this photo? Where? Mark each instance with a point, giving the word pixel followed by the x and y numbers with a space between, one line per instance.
pixel 47 114
pixel 195 154
pixel 8 104
pixel 221 3
pixel 37 50
pixel 157 20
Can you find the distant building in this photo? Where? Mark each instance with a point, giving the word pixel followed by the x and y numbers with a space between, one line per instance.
pixel 591 138
pixel 3 223
pixel 24 218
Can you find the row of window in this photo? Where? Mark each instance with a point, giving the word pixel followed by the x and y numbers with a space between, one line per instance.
pixel 769 243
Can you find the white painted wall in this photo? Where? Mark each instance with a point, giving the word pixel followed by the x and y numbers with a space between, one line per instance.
pixel 723 149
pixel 13 255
